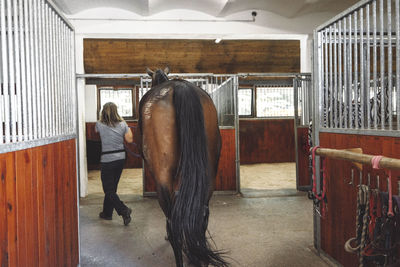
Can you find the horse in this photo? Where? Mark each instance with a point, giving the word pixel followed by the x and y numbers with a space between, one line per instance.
pixel 180 142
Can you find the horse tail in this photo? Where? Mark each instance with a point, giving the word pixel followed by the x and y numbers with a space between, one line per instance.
pixel 189 215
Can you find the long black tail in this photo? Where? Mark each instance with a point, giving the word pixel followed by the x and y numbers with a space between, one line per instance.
pixel 189 216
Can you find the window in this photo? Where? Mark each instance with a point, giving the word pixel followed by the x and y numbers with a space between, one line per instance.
pixel 266 101
pixel 245 96
pixel 274 101
pixel 123 97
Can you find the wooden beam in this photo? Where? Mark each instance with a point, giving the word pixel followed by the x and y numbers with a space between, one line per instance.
pixel 385 163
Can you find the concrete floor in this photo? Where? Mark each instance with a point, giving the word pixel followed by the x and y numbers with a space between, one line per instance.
pixel 267 227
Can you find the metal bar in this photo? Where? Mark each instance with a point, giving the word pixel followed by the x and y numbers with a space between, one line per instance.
pixel 42 117
pixel 22 30
pixel 382 61
pixel 32 29
pixel 57 74
pixel 18 66
pixel 350 95
pixel 368 71
pixel 340 85
pixel 46 55
pixel 356 115
pixel 11 147
pixel 38 89
pixel 375 65
pixel 28 33
pixel 397 8
pixel 390 78
pixel 330 94
pixel 325 93
pixel 68 77
pixel 6 28
pixel 334 97
pixel 362 81
pixel 52 76
pixel 63 77
pixel 343 14
pixel 12 72
pixel 59 14
pixel 378 132
pixel 345 67
pixel 384 163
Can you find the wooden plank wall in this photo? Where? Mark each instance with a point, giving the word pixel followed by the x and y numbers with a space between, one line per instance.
pixel 191 56
pixel 93 148
pixel 266 140
pixel 38 206
pixel 303 156
pixel 339 224
pixel 226 175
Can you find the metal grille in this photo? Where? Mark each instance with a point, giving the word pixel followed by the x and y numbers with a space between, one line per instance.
pixel 274 101
pixel 357 69
pixel 221 88
pixel 37 98
pixel 303 105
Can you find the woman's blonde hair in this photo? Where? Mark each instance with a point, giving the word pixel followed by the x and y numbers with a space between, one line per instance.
pixel 109 115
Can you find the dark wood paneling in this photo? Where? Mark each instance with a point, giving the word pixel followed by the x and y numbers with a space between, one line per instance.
pixel 191 56
pixel 11 193
pixel 226 176
pixel 303 156
pixel 38 208
pixel 339 223
pixel 266 141
pixel 93 148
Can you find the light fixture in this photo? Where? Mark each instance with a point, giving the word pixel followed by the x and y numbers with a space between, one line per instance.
pixel 218 40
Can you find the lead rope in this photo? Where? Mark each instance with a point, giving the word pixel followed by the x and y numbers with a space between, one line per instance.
pixel 362 223
pixel 320 197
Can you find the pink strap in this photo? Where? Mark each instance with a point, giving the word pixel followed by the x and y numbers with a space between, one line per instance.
pixel 375 161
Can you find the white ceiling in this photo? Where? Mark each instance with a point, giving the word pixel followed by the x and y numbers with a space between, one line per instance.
pixel 217 8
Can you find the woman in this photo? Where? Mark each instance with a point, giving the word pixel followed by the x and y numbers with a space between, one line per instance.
pixel 113 130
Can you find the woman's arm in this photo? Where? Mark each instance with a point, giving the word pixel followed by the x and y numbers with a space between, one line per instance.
pixel 129 136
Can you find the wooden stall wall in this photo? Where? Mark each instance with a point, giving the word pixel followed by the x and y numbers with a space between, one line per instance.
pixel 38 206
pixel 303 148
pixel 266 140
pixel 339 223
pixel 191 56
pixel 93 148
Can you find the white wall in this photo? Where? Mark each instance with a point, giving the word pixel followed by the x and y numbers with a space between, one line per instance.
pixel 91 103
pixel 174 24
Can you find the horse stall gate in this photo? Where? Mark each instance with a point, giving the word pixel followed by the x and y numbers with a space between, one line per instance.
pixel 223 90
pixel 356 81
pixel 38 129
pixel 303 110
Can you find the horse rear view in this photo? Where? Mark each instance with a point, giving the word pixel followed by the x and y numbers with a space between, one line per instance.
pixel 181 143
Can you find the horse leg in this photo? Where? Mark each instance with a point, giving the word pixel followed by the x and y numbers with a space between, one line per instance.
pixel 165 199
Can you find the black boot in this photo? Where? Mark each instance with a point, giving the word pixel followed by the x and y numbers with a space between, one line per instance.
pixel 126 216
pixel 104 217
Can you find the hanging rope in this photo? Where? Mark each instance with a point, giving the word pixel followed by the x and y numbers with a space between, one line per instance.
pixel 321 198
